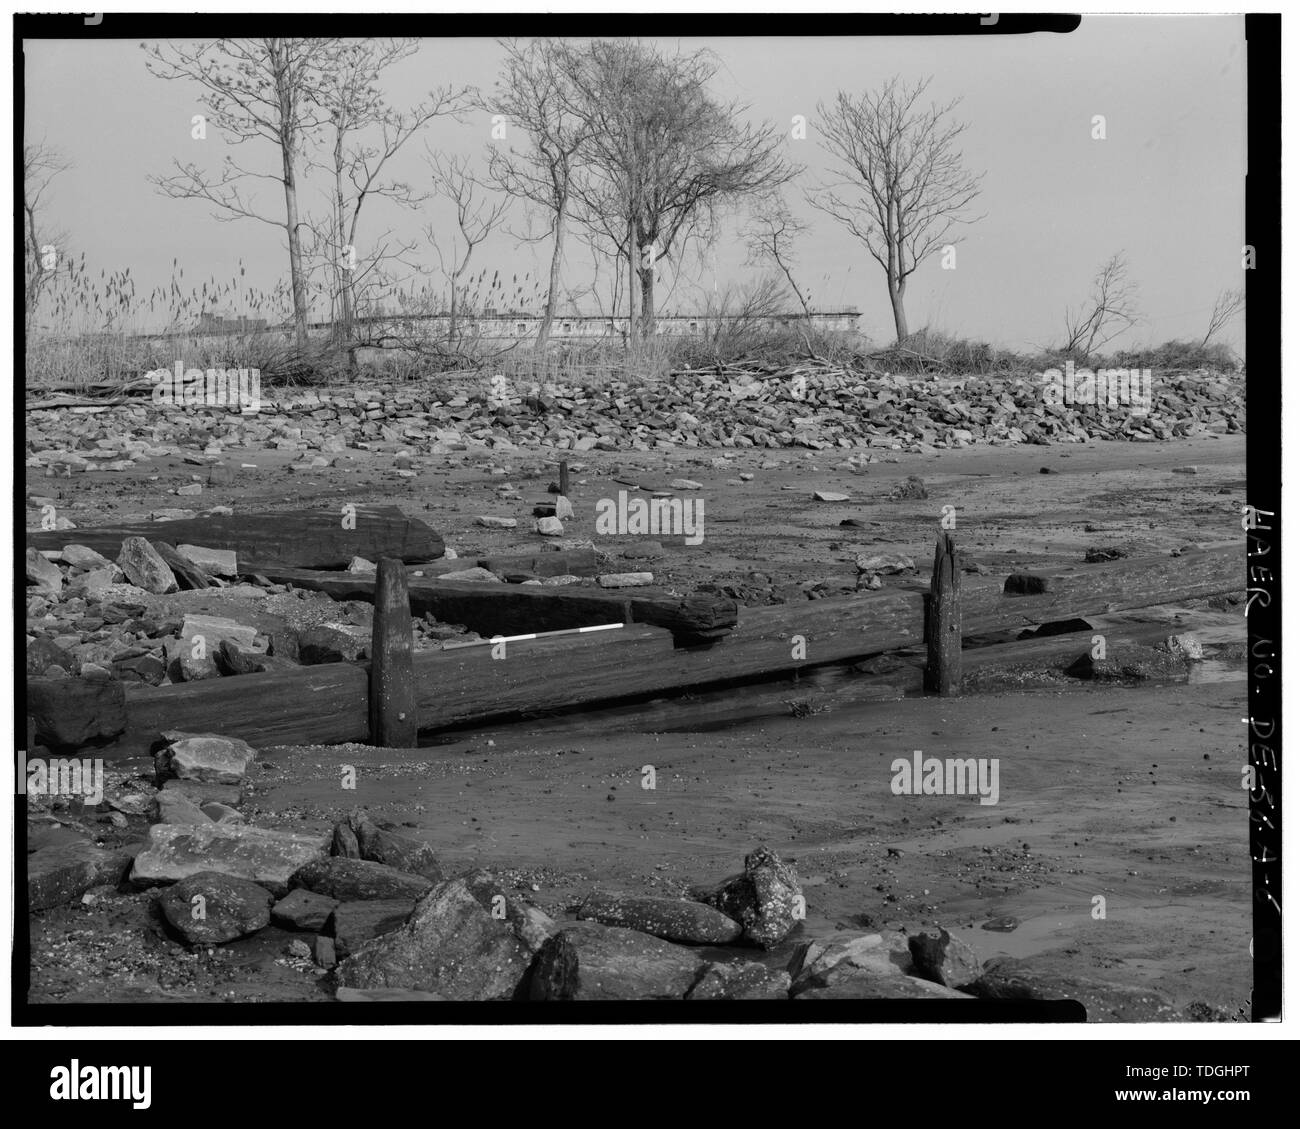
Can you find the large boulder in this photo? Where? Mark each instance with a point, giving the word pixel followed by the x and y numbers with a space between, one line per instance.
pixel 352 924
pixel 269 858
pixel 210 908
pixel 869 986
pixel 145 568
pixel 63 872
pixel 765 898
pixel 820 964
pixel 1047 978
pixel 945 959
pixel 673 919
pixel 587 961
pixel 70 712
pixel 382 844
pixel 452 946
pixel 741 982
pixel 356 880
pixel 43 573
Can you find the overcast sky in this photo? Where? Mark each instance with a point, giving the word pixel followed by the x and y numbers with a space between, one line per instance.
pixel 1165 186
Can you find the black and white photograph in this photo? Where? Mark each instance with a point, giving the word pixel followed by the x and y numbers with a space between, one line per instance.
pixel 633 517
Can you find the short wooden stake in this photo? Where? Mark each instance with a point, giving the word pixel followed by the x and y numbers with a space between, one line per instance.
pixel 943 621
pixel 564 478
pixel 394 723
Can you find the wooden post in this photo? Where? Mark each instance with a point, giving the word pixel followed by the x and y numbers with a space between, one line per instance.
pixel 943 621
pixel 564 478
pixel 393 720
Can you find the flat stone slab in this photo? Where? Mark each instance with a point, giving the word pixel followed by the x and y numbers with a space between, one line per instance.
pixel 205 757
pixel 673 919
pixel 588 961
pixel 357 880
pixel 62 873
pixel 352 924
pixel 269 858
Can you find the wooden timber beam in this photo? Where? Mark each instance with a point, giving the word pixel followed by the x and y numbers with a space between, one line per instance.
pixel 288 539
pixel 328 704
pixel 516 609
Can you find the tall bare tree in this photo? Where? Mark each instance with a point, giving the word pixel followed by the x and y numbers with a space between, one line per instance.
pixel 535 98
pixel 363 132
pixel 41 164
pixel 662 155
pixel 252 89
pixel 770 237
pixel 1226 307
pixel 900 182
pixel 1108 311
pixel 477 215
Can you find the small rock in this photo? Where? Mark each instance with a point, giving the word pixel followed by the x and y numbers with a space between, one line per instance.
pixel 303 910
pixel 625 579
pixel 829 496
pixel 550 527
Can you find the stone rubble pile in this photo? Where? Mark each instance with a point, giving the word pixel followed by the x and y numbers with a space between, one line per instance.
pixel 819 410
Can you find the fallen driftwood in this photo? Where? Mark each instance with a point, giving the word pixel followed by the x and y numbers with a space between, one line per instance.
pixel 288 539
pixel 512 609
pixel 327 704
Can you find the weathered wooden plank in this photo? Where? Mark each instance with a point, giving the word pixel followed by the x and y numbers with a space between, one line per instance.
pixel 393 718
pixel 313 705
pixel 291 538
pixel 537 675
pixel 573 562
pixel 513 609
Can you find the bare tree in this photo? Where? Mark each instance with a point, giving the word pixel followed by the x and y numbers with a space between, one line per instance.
pixel 41 246
pixel 477 216
pixel 252 88
pixel 534 96
pixel 1110 309
pixel 902 185
pixel 661 154
pixel 1226 307
pixel 770 237
pixel 364 133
